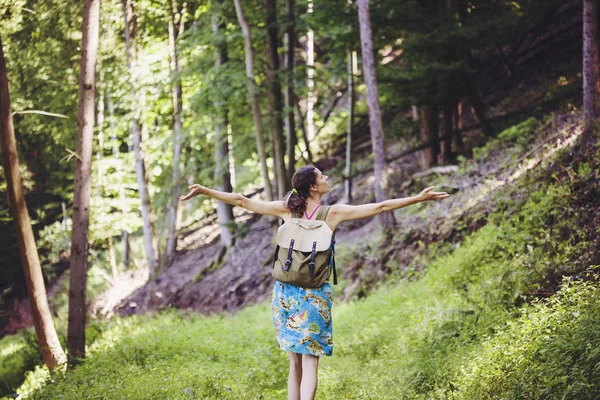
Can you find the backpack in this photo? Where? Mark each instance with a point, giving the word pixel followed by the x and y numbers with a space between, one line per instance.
pixel 305 252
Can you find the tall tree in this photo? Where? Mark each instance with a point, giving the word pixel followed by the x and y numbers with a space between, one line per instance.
pixel 252 88
pixel 368 64
pixel 140 168
pixel 290 98
pixel 351 102
pixel 176 27
pixel 222 175
pixel 52 352
pixel 591 82
pixel 83 167
pixel 429 135
pixel 275 100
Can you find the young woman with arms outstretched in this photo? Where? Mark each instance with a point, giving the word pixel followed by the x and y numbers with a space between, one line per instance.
pixel 296 308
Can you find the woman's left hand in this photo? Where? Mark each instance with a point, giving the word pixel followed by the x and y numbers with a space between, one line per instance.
pixel 195 190
pixel 429 194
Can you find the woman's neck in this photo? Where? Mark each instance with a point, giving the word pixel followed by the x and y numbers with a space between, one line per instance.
pixel 313 201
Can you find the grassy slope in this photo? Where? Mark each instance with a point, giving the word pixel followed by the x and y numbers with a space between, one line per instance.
pixel 468 328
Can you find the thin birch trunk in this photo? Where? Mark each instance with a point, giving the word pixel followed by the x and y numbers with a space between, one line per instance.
pixel 82 184
pixel 275 100
pixel 369 72
pixel 112 259
pixel 140 170
pixel 100 122
pixel 350 126
pixel 50 347
pixel 260 136
pixel 290 128
pixel 305 138
pixel 175 30
pixel 591 83
pixel 222 175
pixel 310 82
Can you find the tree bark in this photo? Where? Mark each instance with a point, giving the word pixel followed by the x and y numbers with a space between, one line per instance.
pixel 429 134
pixel 310 83
pixel 82 185
pixel 477 105
pixel 50 348
pixel 140 169
pixel 260 137
pixel 304 131
pixel 100 150
pixel 350 126
pixel 175 30
pixel 290 126
pixel 368 63
pixel 458 140
pixel 446 150
pixel 591 83
pixel 222 175
pixel 275 100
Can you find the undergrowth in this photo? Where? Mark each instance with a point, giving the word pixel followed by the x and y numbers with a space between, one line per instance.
pixel 490 318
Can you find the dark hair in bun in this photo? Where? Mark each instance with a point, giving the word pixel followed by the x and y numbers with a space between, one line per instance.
pixel 302 180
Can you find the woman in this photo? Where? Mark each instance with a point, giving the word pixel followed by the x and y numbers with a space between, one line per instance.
pixel 302 317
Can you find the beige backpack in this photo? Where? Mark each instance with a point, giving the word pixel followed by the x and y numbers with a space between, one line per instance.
pixel 305 252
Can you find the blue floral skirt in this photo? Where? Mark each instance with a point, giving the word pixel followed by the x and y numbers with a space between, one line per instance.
pixel 302 319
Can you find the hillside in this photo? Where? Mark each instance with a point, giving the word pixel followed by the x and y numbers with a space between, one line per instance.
pixel 500 301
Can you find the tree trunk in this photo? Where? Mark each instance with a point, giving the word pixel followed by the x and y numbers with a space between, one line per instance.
pixel 140 169
pixel 260 137
pixel 82 185
pixel 290 126
pixel 477 105
pixel 175 30
pixel 304 131
pixel 119 174
pixel 350 125
pixel 458 140
pixel 446 150
pixel 368 63
pixel 112 259
pixel 50 348
pixel 275 100
pixel 591 83
pixel 222 174
pixel 310 82
pixel 99 153
pixel 429 135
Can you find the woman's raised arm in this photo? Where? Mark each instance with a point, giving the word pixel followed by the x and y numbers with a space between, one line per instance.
pixel 343 212
pixel 276 208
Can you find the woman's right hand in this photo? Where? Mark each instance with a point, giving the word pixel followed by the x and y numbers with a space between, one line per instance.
pixel 195 190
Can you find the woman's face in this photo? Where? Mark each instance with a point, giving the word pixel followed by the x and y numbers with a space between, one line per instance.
pixel 321 186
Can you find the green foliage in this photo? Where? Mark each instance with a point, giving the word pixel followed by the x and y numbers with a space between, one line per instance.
pixel 19 354
pixel 516 137
pixel 550 352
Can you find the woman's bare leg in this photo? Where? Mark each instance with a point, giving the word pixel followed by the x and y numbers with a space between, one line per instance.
pixel 308 387
pixel 295 376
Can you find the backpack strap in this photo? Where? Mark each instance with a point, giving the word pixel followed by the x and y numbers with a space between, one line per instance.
pixel 322 215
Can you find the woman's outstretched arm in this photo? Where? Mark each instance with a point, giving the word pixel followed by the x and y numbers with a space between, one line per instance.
pixel 344 212
pixel 276 208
